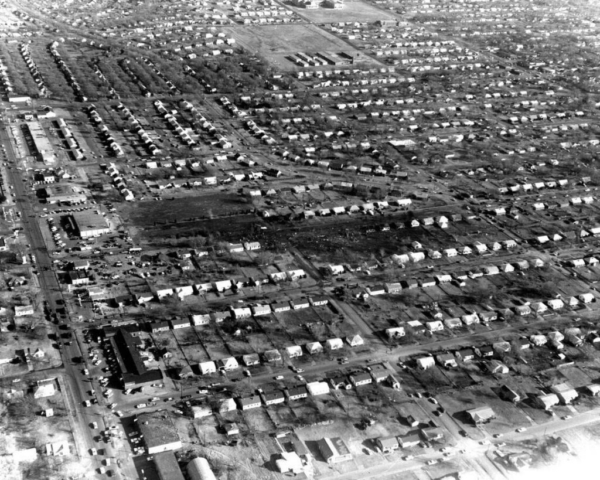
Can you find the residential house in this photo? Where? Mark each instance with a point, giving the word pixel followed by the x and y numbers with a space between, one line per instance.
pixel 495 367
pixel 297 393
pixel 228 364
pixel 314 347
pixel 395 332
pixel 425 363
pixel 207 368
pixel 446 360
pixel 435 326
pixel 317 388
pixel 299 303
pixel 481 415
pixel 202 319
pixel 180 323
pixel 508 394
pixel 355 341
pixel 281 307
pixel 273 398
pixel 248 403
pixel 359 379
pixel 546 401
pixel 465 355
pixel 251 359
pixel 294 351
pixel 334 343
pixel 387 444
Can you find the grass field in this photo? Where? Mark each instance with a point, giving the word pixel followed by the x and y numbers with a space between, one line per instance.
pixel 274 42
pixel 353 11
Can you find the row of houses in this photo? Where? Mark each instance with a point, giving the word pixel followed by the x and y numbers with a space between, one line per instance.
pixel 458 277
pixel 119 182
pixel 113 146
pixel 438 325
pixel 221 286
pixel 242 312
pixel 136 126
pixel 274 356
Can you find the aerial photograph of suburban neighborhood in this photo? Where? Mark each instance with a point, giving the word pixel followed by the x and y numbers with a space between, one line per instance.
pixel 309 239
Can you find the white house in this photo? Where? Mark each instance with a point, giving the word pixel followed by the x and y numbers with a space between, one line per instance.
pixel 203 319
pixel 222 285
pixel 317 388
pixel 229 363
pixel 334 343
pixel 355 341
pixel 425 363
pixel 294 351
pixel 206 368
pixel 435 326
pixel 314 347
pixel 336 269
pixel 395 332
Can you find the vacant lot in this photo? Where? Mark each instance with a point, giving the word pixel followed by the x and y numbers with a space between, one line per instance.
pixel 144 214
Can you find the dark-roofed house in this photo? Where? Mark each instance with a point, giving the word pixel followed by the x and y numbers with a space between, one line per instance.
pixel 159 326
pixel 297 393
pixel 273 398
pixel 466 354
pixel 507 393
pixel 359 379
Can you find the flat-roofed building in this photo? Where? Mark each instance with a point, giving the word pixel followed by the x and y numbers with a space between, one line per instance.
pixel 159 432
pixel 90 223
pixel 63 193
pixel 167 466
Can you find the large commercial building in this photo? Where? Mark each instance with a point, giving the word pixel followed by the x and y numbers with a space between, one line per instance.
pixel 167 466
pixel 63 193
pixel 43 148
pixel 89 224
pixel 134 373
pixel 159 432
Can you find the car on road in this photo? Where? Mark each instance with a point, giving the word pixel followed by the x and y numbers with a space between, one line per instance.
pixel 521 429
pixel 155 399
pixel 168 399
pixel 409 457
pixel 119 413
pixel 279 377
pixel 566 417
pixel 301 378
pixel 432 462
pixel 141 405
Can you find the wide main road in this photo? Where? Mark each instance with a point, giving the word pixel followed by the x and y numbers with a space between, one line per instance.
pixel 76 383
